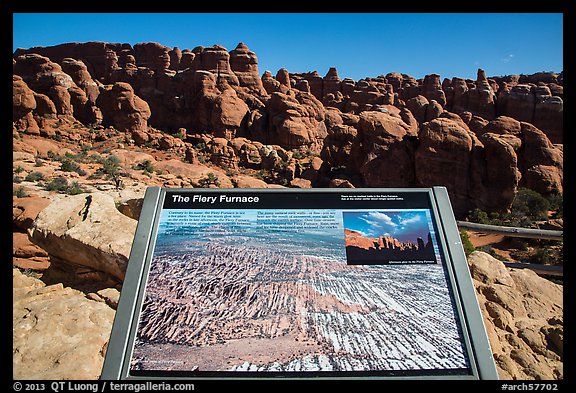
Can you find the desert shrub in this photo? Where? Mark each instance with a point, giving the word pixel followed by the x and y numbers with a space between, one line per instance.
pixel 70 166
pixel 298 155
pixel 557 204
pixel 61 185
pixel 466 243
pixel 530 204
pixel 488 249
pixel 479 216
pixel 145 166
pixel 541 256
pixel 208 180
pixel 34 176
pixel 75 188
pixel 20 192
pixel 111 165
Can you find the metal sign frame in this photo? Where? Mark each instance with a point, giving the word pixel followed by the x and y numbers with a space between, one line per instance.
pixel 118 356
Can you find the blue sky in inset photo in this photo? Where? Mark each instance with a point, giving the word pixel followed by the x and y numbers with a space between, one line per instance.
pixel 359 45
pixel 405 225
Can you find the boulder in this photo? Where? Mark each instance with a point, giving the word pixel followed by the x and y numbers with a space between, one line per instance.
pixel 27 255
pixel 444 157
pixel 123 109
pixel 175 57
pixel 25 211
pixel 517 102
pixel 331 83
pixel 228 114
pixel 80 75
pixel 502 172
pixel 152 55
pixel 46 77
pixel 296 121
pixel 432 89
pixel 195 173
pixel 216 60
pixel 58 334
pixel 542 162
pixel 86 230
pixel 503 125
pixel 481 98
pixel 459 95
pixel 23 103
pixel 523 316
pixel 45 108
pixel 244 63
pixel 380 153
pixel 245 181
pixel 549 117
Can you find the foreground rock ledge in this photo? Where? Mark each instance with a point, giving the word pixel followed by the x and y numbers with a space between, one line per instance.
pixel 523 315
pixel 57 332
pixel 86 230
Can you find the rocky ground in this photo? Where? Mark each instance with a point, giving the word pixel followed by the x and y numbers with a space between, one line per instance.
pixel 94 124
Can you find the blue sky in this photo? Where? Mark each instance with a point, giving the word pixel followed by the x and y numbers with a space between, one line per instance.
pixel 404 226
pixel 358 45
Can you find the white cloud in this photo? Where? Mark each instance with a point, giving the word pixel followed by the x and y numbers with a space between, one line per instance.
pixel 410 220
pixel 379 219
pixel 507 58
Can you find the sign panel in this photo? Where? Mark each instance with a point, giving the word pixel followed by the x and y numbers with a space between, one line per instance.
pixel 268 283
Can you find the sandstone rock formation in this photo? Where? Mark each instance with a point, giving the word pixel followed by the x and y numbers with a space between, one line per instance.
pixel 23 103
pixel 244 64
pixel 445 157
pixel 46 77
pixel 78 230
pixel 58 334
pixel 153 92
pixel 380 146
pixel 523 316
pixel 123 109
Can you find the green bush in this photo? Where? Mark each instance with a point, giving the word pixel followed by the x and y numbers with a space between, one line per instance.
pixel 75 188
pixel 34 176
pixel 20 192
pixel 208 180
pixel 466 243
pixel 71 166
pixel 557 204
pixel 530 204
pixel 479 216
pixel 61 185
pixel 541 256
pixel 146 166
pixel 111 165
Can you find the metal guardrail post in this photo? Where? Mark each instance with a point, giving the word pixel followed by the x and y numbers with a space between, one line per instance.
pixel 513 231
pixel 520 232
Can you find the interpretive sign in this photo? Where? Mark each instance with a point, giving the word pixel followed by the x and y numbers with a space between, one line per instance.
pixel 289 283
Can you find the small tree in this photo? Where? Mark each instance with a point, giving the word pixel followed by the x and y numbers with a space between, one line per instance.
pixel 466 243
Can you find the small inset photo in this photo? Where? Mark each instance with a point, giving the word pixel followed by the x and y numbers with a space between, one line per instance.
pixel 388 237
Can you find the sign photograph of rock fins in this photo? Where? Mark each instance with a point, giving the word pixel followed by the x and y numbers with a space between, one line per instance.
pixel 290 283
